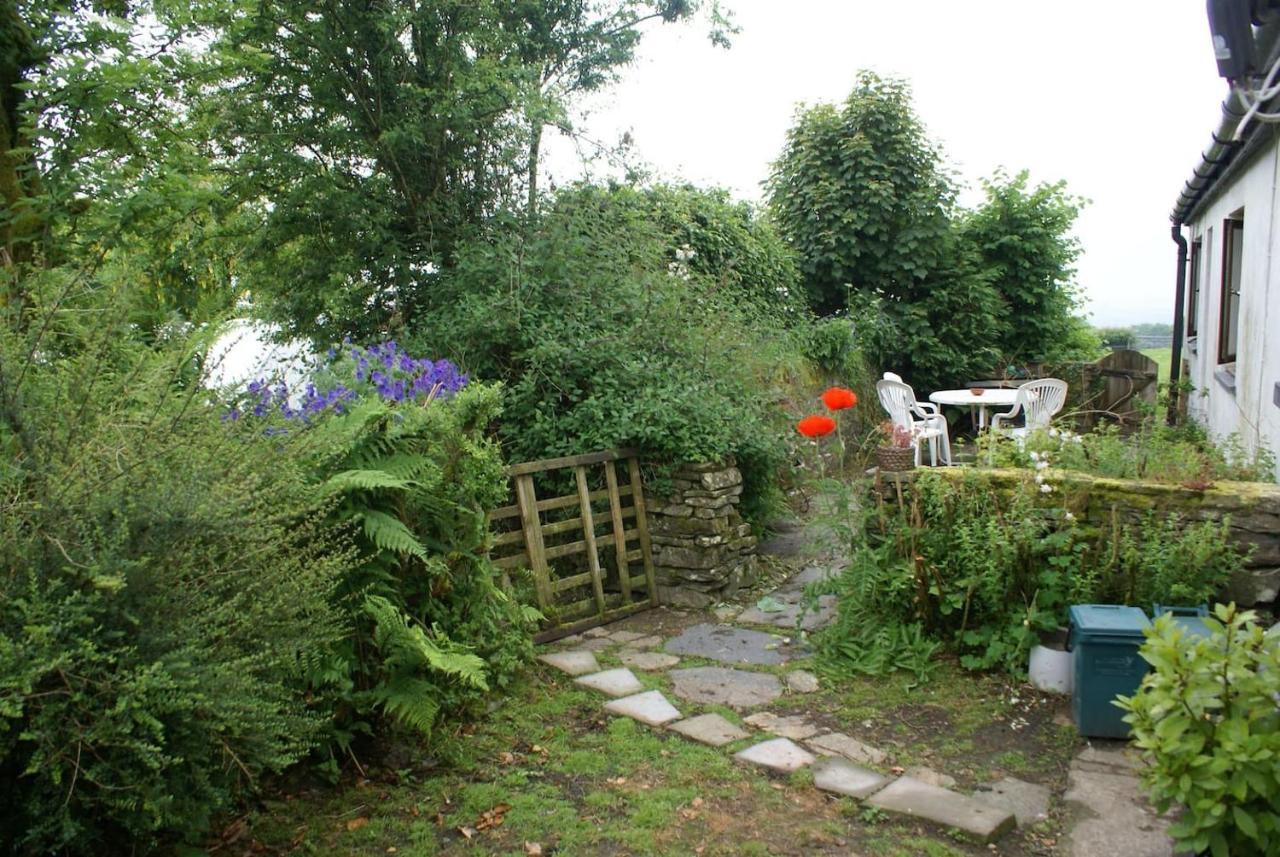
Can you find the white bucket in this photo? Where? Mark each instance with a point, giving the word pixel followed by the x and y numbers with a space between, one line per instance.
pixel 1051 669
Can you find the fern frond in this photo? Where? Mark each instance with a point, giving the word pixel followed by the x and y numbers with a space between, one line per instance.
pixel 410 701
pixel 365 480
pixel 408 646
pixel 389 533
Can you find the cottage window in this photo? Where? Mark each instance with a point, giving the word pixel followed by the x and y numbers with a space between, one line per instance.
pixel 1232 265
pixel 1193 296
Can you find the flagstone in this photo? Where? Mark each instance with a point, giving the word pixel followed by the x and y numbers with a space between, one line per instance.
pixel 710 729
pixel 794 727
pixel 573 662
pixel 648 660
pixel 839 744
pixel 619 682
pixel 779 754
pixel 908 796
pixel 839 775
pixel 650 708
pixel 725 686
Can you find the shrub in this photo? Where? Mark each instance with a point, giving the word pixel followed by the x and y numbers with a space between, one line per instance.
pixel 601 340
pixel 1208 722
pixel 165 583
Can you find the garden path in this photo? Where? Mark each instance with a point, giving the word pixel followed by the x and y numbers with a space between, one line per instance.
pixel 742 662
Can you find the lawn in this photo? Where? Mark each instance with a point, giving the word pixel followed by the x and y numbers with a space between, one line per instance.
pixel 1164 357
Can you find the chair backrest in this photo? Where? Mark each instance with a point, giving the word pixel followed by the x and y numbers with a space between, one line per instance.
pixel 899 400
pixel 893 376
pixel 1041 400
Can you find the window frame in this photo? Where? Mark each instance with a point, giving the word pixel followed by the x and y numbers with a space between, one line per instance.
pixel 1193 288
pixel 1230 265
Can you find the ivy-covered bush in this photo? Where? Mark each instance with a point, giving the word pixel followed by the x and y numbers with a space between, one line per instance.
pixel 1207 718
pixel 605 334
pixel 165 591
pixel 984 571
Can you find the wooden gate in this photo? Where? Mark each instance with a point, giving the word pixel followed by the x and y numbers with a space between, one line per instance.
pixel 559 539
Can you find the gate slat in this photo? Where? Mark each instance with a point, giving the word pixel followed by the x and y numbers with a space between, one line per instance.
pixel 619 530
pixel 589 535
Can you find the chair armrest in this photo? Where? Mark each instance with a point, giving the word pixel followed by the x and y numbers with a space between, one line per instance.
pixel 1007 415
pixel 928 409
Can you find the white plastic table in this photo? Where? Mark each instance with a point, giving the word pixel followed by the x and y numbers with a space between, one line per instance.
pixel 990 398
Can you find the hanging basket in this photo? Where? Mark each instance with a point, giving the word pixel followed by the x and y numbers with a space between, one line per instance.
pixel 895 459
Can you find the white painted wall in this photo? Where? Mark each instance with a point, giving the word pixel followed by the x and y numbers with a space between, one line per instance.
pixel 1249 411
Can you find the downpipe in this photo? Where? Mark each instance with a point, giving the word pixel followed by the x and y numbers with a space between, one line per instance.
pixel 1179 298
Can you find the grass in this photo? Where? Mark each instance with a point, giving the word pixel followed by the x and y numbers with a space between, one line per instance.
pixel 1164 358
pixel 550 769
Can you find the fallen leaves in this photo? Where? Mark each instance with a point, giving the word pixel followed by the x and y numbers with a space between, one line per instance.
pixel 356 823
pixel 493 817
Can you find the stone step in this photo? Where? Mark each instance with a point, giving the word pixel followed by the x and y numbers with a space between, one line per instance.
pixel 908 796
pixel 711 729
pixel 650 708
pixel 839 775
pixel 619 682
pixel 725 686
pixel 648 660
pixel 840 744
pixel 794 727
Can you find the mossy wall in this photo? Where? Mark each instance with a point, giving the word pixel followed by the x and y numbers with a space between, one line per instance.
pixel 1253 510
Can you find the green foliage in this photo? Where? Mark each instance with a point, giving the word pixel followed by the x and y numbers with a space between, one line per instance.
pixel 987 571
pixel 1207 722
pixel 863 196
pixel 1117 337
pixel 1024 237
pixel 431 629
pixel 601 341
pixel 165 586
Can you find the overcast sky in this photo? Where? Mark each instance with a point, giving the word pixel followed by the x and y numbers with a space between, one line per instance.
pixel 1118 98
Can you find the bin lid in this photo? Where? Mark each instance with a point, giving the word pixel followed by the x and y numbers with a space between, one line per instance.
pixel 1111 620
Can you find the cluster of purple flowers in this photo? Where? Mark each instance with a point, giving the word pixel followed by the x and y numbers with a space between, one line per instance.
pixel 386 369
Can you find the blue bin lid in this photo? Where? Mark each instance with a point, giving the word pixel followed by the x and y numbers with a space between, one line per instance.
pixel 1110 620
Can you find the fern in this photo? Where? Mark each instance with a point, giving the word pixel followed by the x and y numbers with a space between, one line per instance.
pixel 407 646
pixel 390 533
pixel 365 480
pixel 410 701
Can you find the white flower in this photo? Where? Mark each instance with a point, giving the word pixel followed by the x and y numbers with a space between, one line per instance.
pixel 1039 478
pixel 1035 456
pixel 1045 489
pixel 1042 464
pixel 1069 516
pixel 1053 432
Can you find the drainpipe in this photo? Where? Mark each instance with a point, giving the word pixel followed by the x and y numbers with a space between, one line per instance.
pixel 1175 366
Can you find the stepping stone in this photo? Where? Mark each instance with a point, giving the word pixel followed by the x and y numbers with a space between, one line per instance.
pixel 650 708
pixel 834 774
pixel 728 645
pixel 780 754
pixel 930 776
pixel 1028 802
pixel 908 796
pixel 1108 813
pixel 796 728
pixel 723 686
pixel 625 636
pixel 650 642
pixel 596 632
pixel 726 613
pixel 619 682
pixel 710 729
pixel 596 644
pixel 813 574
pixel 802 681
pixel 840 744
pixel 572 662
pixel 648 660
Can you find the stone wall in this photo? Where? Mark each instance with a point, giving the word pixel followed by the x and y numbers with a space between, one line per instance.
pixel 702 549
pixel 1252 507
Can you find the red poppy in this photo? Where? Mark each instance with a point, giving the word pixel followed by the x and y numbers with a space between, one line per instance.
pixel 815 425
pixel 839 398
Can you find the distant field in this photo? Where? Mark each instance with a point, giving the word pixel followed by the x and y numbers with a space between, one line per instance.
pixel 1163 356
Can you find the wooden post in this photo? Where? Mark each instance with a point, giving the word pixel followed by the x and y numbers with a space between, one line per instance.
pixel 642 527
pixel 589 536
pixel 619 531
pixel 527 500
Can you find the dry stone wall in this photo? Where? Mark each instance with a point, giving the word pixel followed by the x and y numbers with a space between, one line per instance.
pixel 702 549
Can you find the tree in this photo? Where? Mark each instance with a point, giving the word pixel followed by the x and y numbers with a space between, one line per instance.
pixel 1023 235
pixel 861 194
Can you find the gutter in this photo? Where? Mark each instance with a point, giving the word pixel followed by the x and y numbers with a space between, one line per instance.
pixel 1175 363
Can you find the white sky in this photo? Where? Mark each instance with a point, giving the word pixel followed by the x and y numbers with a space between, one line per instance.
pixel 1117 97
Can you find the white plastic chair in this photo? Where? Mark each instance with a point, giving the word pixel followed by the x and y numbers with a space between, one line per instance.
pixel 922 419
pixel 1037 401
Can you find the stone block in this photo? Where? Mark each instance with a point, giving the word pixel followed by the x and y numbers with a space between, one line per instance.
pixel 650 708
pixel 676 557
pixel 648 661
pixel 780 754
pixel 840 744
pixel 910 797
pixel 1252 586
pixel 683 596
pixel 802 681
pixel 717 479
pixel 723 686
pixel 834 774
pixel 711 729
pixel 708 514
pixel 674 510
pixel 794 727
pixel 1029 802
pixel 708 502
pixel 728 645
pixel 930 776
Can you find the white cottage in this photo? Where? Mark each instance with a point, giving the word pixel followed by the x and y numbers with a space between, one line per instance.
pixel 1227 227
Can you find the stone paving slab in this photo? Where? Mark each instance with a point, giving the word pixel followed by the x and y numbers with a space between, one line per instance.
pixel 1110 814
pixel 710 729
pixel 1029 802
pixel 930 776
pixel 725 686
pixel 619 682
pixel 625 636
pixel 812 574
pixel 779 754
pixel 650 708
pixel 650 642
pixel 840 744
pixel 572 662
pixel 728 645
pixel 794 727
pixel 835 774
pixel 823 614
pixel 907 796
pixel 648 660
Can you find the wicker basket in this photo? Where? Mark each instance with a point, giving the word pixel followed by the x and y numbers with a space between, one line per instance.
pixel 895 459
